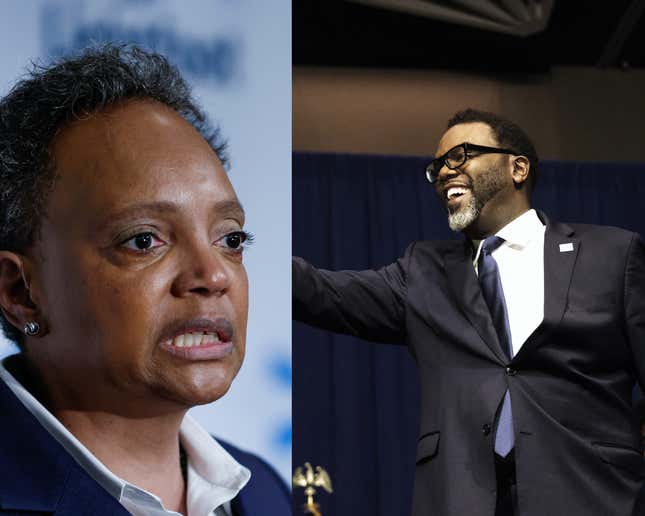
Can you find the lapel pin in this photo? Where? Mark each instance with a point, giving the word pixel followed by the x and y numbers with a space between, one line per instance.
pixel 565 248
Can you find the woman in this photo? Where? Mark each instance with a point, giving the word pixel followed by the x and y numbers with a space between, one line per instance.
pixel 121 279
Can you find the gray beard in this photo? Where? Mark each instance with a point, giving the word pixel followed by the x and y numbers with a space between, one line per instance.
pixel 483 190
pixel 465 216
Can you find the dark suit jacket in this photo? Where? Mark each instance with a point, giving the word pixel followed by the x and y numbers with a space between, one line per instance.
pixel 578 450
pixel 38 477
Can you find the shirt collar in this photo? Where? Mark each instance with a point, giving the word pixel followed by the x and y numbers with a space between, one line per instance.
pixel 521 230
pixel 517 234
pixel 214 477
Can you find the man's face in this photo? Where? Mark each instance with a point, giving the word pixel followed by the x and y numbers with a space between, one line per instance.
pixel 473 189
pixel 141 276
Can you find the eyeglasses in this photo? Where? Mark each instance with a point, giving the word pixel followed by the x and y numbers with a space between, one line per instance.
pixel 458 155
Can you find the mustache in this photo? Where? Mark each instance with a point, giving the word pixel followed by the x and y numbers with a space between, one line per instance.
pixel 219 325
pixel 463 177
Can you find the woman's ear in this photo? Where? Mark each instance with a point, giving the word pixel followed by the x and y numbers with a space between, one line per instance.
pixel 15 298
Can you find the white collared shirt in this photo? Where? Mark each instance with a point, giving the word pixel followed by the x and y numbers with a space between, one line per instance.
pixel 214 477
pixel 520 260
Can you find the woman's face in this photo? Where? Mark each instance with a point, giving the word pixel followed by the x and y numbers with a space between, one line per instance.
pixel 138 272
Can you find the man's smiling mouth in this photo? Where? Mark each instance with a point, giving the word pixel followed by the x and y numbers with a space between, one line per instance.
pixel 454 192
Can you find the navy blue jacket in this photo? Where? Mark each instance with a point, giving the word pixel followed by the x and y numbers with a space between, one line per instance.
pixel 577 446
pixel 37 475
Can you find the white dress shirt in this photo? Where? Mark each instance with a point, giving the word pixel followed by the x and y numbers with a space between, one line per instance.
pixel 214 477
pixel 520 260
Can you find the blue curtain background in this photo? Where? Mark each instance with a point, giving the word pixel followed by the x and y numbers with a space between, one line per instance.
pixel 355 404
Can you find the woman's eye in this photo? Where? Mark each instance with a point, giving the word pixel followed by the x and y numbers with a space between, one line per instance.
pixel 142 242
pixel 236 241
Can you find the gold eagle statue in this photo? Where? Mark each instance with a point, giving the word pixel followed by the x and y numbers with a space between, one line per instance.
pixel 309 480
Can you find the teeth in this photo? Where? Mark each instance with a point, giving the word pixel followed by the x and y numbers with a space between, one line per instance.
pixel 454 191
pixel 194 339
pixel 209 339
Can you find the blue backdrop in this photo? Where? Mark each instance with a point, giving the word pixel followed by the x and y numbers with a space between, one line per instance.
pixel 355 404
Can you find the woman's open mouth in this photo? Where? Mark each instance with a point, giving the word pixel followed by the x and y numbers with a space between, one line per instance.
pixel 200 339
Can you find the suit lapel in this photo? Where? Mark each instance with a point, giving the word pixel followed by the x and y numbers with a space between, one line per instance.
pixel 237 507
pixel 250 501
pixel 560 253
pixel 34 468
pixel 83 495
pixel 465 287
pixel 37 474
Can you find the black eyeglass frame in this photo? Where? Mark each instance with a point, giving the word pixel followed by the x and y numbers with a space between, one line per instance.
pixel 432 170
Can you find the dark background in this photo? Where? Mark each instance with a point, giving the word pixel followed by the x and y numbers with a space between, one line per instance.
pixel 373 88
pixel 381 81
pixel 355 404
pixel 579 33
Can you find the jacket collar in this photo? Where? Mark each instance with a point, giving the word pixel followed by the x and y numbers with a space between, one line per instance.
pixel 37 473
pixel 265 492
pixel 561 248
pixel 560 253
pixel 468 297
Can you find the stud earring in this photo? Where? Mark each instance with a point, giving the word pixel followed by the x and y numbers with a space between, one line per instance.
pixel 32 328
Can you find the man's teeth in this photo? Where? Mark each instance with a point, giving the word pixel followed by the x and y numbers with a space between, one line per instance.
pixel 455 191
pixel 187 340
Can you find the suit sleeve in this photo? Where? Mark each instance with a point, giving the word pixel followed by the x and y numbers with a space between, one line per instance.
pixel 367 304
pixel 635 305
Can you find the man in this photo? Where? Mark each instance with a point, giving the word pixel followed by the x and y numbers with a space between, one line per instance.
pixel 122 281
pixel 529 337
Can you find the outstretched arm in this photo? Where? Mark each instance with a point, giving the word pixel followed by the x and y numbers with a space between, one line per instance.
pixel 368 304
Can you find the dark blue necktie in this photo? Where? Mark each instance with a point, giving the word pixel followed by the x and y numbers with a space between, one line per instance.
pixel 491 285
